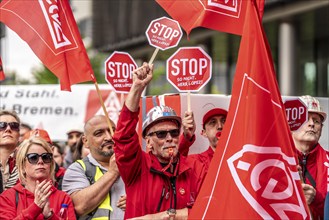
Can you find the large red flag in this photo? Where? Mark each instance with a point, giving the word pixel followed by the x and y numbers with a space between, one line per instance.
pixel 221 15
pixel 2 74
pixel 253 174
pixel 52 33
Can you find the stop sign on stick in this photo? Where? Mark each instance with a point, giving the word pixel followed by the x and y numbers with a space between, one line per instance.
pixel 296 112
pixel 164 33
pixel 189 69
pixel 118 71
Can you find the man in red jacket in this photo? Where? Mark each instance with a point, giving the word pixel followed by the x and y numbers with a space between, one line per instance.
pixel 212 125
pixel 160 184
pixel 313 159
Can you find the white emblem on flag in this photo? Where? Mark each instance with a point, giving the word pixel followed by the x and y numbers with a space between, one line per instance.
pixel 51 13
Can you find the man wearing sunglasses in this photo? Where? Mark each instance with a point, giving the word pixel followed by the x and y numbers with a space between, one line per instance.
pixel 9 137
pixel 93 182
pixel 160 184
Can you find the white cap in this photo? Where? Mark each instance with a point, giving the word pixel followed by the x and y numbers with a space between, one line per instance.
pixel 313 105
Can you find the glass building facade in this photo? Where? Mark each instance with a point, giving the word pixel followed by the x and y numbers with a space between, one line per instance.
pixel 297 30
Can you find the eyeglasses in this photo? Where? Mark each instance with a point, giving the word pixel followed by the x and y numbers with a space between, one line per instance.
pixel 13 126
pixel 33 158
pixel 163 134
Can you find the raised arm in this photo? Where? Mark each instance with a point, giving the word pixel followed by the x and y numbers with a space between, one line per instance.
pixel 188 136
pixel 141 78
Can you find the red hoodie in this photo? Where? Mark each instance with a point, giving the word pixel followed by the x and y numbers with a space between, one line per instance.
pixel 27 209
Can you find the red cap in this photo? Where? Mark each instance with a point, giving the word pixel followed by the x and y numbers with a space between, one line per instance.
pixel 38 133
pixel 211 113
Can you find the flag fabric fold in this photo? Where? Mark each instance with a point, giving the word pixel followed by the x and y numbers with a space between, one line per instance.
pixel 253 173
pixel 221 15
pixel 49 28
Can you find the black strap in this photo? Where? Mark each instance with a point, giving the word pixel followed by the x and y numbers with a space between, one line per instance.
pixel 1 186
pixel 16 198
pixel 90 174
pixel 306 173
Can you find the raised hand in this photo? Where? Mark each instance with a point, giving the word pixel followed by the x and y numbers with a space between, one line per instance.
pixel 188 125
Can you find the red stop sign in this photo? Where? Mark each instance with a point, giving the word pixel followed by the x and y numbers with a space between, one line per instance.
pixel 118 71
pixel 164 33
pixel 296 112
pixel 189 69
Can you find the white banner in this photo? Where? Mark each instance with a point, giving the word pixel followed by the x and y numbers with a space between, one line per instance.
pixel 45 106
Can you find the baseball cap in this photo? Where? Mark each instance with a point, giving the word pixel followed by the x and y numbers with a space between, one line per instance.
pixel 38 133
pixel 211 113
pixel 74 130
pixel 160 113
pixel 313 105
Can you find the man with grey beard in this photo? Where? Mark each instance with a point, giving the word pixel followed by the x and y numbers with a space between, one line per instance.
pixel 94 183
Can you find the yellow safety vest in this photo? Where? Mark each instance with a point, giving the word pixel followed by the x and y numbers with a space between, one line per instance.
pixel 93 173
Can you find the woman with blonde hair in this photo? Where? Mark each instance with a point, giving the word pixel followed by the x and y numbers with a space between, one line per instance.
pixel 34 197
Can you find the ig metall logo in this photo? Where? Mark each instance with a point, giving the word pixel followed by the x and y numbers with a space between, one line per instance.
pixel 267 178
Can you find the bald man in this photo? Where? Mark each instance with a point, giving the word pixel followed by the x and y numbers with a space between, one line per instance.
pixel 94 183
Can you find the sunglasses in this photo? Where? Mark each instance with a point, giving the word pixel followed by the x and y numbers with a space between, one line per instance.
pixel 33 158
pixel 163 134
pixel 13 126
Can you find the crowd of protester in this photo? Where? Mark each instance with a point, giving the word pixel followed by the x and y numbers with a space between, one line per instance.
pixel 104 175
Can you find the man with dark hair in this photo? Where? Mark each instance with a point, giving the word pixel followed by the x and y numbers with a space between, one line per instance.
pixel 9 137
pixel 73 136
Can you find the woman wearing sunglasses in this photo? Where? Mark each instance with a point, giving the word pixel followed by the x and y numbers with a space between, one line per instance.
pixel 34 197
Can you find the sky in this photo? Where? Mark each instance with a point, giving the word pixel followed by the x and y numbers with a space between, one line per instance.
pixel 17 56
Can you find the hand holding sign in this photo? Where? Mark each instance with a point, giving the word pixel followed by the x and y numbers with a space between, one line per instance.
pixel 163 33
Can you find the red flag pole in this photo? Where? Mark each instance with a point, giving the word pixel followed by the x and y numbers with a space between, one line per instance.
pixel 103 107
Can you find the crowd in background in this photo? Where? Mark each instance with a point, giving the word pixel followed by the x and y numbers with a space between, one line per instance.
pixel 103 172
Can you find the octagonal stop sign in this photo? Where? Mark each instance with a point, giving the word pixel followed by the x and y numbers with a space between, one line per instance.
pixel 118 71
pixel 164 33
pixel 296 112
pixel 189 69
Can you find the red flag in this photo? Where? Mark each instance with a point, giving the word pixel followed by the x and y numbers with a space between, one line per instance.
pixel 2 74
pixel 221 15
pixel 253 173
pixel 52 33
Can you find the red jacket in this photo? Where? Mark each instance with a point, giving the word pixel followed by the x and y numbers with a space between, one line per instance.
pixel 27 209
pixel 317 164
pixel 148 189
pixel 204 157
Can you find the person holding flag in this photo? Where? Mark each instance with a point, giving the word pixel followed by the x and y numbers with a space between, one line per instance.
pixel 312 157
pixel 160 184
